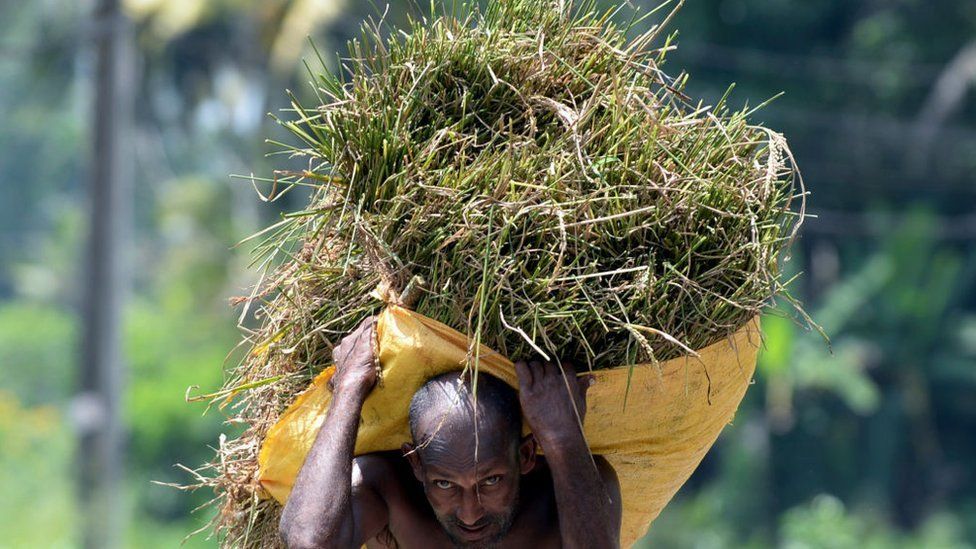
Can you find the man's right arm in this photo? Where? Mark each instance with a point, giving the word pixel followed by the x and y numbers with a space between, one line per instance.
pixel 332 504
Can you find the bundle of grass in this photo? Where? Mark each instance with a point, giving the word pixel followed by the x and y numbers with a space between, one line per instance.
pixel 526 174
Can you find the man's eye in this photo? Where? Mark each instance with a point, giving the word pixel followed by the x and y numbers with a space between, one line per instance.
pixel 442 484
pixel 492 480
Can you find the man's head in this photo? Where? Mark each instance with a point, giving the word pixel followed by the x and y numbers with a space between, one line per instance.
pixel 469 454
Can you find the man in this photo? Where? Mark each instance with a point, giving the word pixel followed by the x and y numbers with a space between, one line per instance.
pixel 469 479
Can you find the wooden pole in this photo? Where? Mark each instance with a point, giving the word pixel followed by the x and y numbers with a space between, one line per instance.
pixel 97 406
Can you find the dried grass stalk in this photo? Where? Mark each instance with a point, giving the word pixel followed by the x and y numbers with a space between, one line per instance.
pixel 551 187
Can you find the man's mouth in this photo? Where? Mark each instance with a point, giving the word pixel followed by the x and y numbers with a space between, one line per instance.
pixel 473 532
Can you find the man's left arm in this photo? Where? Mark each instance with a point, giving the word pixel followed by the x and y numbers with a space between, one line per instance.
pixel 587 491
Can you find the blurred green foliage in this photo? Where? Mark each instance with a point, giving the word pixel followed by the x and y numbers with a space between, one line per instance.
pixel 824 523
pixel 870 446
pixel 34 468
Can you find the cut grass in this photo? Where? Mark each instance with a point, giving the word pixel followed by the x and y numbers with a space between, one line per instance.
pixel 523 173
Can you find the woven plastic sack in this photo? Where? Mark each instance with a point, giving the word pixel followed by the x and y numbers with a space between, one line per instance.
pixel 654 438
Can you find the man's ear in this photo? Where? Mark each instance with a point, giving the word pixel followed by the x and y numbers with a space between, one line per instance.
pixel 413 457
pixel 526 454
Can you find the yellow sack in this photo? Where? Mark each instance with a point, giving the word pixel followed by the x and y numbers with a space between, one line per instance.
pixel 674 411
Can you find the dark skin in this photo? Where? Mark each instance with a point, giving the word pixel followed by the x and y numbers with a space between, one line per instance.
pixel 446 492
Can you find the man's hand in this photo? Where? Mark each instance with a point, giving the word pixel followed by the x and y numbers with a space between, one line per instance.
pixel 323 510
pixel 586 487
pixel 553 400
pixel 355 359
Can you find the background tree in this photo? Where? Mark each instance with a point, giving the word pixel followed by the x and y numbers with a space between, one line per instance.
pixel 869 447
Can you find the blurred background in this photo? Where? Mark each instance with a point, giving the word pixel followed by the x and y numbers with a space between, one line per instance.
pixel 123 119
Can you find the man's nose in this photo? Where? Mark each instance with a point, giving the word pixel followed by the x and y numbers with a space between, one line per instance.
pixel 471 510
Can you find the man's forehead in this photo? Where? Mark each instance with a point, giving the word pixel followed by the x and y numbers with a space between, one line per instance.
pixel 446 464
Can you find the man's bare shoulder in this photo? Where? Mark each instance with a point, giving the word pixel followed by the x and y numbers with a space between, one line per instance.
pixel 378 470
pixel 380 491
pixel 408 522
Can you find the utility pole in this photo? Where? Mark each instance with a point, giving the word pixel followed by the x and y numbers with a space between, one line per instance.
pixel 96 408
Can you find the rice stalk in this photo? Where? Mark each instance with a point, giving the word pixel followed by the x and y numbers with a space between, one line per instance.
pixel 536 180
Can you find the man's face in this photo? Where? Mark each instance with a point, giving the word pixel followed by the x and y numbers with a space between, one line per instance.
pixel 475 498
pixel 474 504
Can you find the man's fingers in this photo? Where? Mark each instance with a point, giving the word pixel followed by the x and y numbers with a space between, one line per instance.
pixel 568 371
pixel 524 373
pixel 589 380
pixel 585 382
pixel 353 339
pixel 363 331
pixel 368 324
pixel 365 328
pixel 538 372
pixel 364 337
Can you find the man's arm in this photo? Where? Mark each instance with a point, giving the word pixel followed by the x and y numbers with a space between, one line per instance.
pixel 586 487
pixel 331 504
